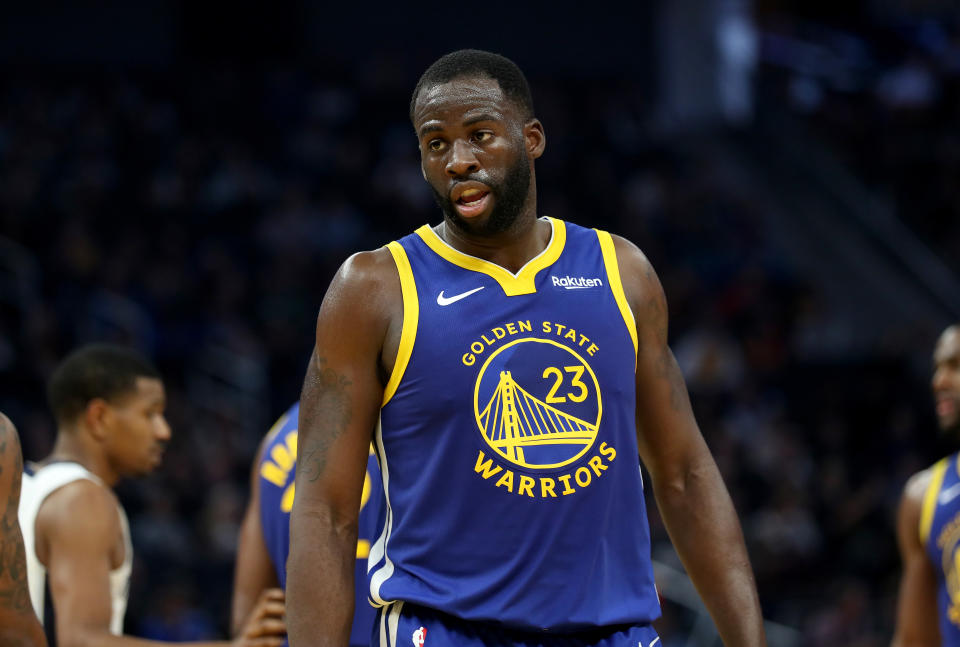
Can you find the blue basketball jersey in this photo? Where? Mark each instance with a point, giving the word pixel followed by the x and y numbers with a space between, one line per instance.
pixel 507 440
pixel 940 533
pixel 277 470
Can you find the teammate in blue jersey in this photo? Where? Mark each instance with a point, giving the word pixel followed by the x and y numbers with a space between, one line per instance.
pixel 509 369
pixel 265 533
pixel 928 524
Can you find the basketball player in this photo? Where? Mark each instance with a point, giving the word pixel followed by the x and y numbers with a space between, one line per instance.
pixel 108 402
pixel 265 533
pixel 18 624
pixel 928 524
pixel 516 366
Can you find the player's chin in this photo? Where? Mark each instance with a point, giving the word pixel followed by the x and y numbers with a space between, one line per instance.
pixel 949 425
pixel 150 463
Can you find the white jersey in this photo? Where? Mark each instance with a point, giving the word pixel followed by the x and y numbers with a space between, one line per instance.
pixel 36 488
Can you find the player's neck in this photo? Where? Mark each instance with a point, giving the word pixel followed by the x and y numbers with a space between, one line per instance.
pixel 72 446
pixel 511 249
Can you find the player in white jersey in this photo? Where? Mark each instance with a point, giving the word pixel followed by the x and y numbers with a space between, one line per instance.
pixel 109 405
pixel 18 625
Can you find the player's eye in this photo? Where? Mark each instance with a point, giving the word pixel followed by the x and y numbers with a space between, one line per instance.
pixel 435 145
pixel 482 136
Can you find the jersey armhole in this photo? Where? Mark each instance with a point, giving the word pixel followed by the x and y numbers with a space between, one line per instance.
pixel 930 498
pixel 616 285
pixel 411 316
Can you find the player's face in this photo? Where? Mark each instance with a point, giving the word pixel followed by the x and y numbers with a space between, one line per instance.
pixel 476 153
pixel 946 379
pixel 139 430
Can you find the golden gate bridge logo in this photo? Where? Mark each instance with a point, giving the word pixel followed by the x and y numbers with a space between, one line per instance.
pixel 533 431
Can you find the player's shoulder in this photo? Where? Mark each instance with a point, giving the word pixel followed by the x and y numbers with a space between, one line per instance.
pixel 629 254
pixel 9 443
pixel 917 485
pixel 368 266
pixel 80 503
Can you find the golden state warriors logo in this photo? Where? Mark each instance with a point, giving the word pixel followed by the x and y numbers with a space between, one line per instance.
pixel 537 403
pixel 538 406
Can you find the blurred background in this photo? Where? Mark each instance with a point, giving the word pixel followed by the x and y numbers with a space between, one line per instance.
pixel 186 177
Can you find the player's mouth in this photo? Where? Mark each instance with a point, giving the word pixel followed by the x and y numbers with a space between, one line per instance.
pixel 471 199
pixel 946 407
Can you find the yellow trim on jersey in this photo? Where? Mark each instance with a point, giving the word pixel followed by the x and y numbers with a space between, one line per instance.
pixel 616 285
pixel 411 316
pixel 513 284
pixel 930 498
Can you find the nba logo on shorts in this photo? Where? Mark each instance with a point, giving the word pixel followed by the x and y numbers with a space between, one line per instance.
pixel 419 636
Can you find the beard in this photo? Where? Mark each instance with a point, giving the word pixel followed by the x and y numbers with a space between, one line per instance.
pixel 509 198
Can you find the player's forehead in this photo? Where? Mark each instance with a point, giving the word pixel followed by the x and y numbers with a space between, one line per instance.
pixel 948 346
pixel 459 99
pixel 146 391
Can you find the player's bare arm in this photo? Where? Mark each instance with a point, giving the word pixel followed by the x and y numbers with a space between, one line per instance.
pixel 917 600
pixel 19 626
pixel 357 334
pixel 253 573
pixel 79 539
pixel 690 492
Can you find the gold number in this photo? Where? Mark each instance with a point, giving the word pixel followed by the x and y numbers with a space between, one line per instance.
pixel 551 396
pixel 577 372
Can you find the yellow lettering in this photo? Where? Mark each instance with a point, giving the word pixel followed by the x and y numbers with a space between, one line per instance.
pixel 571 334
pixel 583 339
pixel 525 326
pixel 526 485
pixel 597 464
pixel 499 333
pixel 592 349
pixel 585 481
pixel 477 347
pixel 608 451
pixel 291 441
pixel 363 549
pixel 565 478
pixel 506 480
pixel 511 329
pixel 546 487
pixel 489 341
pixel 546 326
pixel 273 474
pixel 560 328
pixel 282 457
pixel 365 493
pixel 484 468
pixel 286 501
pixel 469 359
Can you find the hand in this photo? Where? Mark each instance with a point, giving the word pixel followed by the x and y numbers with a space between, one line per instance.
pixel 267 624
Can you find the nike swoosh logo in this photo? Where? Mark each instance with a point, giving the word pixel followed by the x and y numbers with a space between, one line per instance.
pixel 445 301
pixel 949 494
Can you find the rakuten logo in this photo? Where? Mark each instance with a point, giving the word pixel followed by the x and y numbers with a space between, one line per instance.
pixel 575 282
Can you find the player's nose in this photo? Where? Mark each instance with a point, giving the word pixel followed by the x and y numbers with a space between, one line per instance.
pixel 462 161
pixel 162 429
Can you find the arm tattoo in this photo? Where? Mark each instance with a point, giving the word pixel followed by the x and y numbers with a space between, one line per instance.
pixel 324 414
pixel 14 594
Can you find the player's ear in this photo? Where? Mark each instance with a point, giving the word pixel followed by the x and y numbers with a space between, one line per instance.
pixel 97 417
pixel 534 138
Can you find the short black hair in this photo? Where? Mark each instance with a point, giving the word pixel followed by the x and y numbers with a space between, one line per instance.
pixel 94 371
pixel 476 62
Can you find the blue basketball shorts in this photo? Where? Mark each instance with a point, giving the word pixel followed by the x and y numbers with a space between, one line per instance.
pixel 407 625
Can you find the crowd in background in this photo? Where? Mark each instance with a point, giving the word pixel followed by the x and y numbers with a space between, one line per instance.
pixel 200 213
